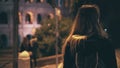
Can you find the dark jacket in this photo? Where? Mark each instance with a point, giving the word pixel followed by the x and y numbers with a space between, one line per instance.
pixel 35 49
pixel 25 47
pixel 91 45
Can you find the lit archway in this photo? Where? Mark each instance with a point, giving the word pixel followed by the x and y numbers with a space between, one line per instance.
pixel 29 18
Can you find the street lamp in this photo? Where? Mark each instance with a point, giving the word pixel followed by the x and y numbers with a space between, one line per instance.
pixel 58 17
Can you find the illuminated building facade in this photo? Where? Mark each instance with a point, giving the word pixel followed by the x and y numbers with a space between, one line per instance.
pixel 31 14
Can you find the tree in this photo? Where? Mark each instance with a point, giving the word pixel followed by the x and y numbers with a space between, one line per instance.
pixel 46 35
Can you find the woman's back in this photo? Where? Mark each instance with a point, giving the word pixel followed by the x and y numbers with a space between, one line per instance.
pixel 89 41
pixel 88 52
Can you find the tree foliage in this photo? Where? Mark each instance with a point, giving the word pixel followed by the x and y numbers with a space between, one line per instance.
pixel 47 35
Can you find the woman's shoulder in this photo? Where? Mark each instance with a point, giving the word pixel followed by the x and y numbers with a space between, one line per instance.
pixel 98 40
pixel 75 40
pixel 91 40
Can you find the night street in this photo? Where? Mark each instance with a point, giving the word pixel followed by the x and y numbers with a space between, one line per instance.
pixel 46 62
pixel 40 28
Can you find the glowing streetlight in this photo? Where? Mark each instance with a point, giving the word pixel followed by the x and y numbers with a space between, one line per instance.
pixel 58 13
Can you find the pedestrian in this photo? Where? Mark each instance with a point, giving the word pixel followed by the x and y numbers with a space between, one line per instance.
pixel 25 46
pixel 88 45
pixel 35 50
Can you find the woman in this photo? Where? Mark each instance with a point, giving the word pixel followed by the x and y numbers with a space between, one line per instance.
pixel 88 44
pixel 25 45
pixel 35 50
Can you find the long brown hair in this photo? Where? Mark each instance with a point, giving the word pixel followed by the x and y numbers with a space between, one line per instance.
pixel 87 23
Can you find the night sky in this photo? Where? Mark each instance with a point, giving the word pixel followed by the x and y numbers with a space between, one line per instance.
pixel 110 16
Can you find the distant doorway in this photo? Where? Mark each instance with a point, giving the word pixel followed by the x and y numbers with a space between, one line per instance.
pixel 3 18
pixel 3 41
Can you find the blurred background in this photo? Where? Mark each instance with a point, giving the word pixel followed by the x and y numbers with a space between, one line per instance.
pixel 50 21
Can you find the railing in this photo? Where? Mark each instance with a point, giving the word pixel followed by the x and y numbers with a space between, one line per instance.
pixel 49 60
pixel 40 61
pixel 7 64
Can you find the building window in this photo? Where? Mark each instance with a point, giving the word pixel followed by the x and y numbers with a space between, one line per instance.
pixel 39 18
pixel 38 1
pixel 28 19
pixel 3 18
pixel 28 1
pixel 49 1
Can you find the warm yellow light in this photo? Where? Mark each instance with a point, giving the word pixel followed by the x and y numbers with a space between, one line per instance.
pixel 20 17
pixel 33 31
pixel 24 54
pixel 60 65
pixel 79 37
pixel 58 12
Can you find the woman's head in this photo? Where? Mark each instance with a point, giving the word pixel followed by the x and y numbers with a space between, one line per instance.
pixel 87 21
